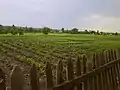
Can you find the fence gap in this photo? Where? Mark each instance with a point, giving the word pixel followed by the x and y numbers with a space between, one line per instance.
pixel 34 78
pixel 49 76
pixel 2 80
pixel 17 79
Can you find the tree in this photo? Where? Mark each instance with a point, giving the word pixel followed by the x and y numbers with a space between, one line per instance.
pixel 116 33
pixel 97 32
pixel 86 32
pixel 46 30
pixel 74 31
pixel 92 32
pixel 101 33
pixel 20 31
pixel 14 30
pixel 62 30
pixel 30 29
pixel 1 25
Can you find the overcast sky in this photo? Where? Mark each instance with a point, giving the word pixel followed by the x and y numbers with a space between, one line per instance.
pixel 98 14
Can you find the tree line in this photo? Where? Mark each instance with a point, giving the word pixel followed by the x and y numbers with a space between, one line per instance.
pixel 15 30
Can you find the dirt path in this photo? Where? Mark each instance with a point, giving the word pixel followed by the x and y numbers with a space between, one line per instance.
pixel 7 64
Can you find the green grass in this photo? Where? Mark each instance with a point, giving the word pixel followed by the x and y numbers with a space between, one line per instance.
pixel 39 48
pixel 52 42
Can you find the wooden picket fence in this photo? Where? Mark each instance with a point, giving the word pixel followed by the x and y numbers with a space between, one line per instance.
pixel 103 73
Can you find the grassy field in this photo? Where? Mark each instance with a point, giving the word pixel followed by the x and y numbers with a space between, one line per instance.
pixel 39 48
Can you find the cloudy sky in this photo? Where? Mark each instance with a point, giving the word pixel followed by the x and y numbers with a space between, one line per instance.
pixel 90 14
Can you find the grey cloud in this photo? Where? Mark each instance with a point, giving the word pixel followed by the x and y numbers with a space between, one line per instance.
pixel 56 13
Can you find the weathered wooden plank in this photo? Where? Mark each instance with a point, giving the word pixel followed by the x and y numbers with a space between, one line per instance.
pixel 85 83
pixel 117 56
pixel 111 71
pixel 70 72
pixel 118 69
pixel 99 75
pixel 92 73
pixel 60 76
pixel 34 78
pixel 49 76
pixel 90 79
pixel 104 73
pixel 84 64
pixel 78 72
pixel 94 76
pixel 2 80
pixel 70 69
pixel 107 73
pixel 102 79
pixel 114 69
pixel 17 79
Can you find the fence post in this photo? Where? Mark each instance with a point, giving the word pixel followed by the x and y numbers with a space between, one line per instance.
pixel 2 80
pixel 90 79
pixel 94 77
pixel 84 64
pixel 118 66
pixel 107 72
pixel 17 79
pixel 60 76
pixel 117 69
pixel 49 76
pixel 99 60
pixel 115 54
pixel 84 72
pixel 34 78
pixel 114 69
pixel 78 72
pixel 70 72
pixel 104 74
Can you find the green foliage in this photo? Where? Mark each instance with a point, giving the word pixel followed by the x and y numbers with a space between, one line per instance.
pixel 74 31
pixel 46 30
pixel 98 32
pixel 15 30
pixel 20 31
pixel 37 48
pixel 63 30
pixel 116 33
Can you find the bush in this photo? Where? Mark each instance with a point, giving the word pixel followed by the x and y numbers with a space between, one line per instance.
pixel 21 33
